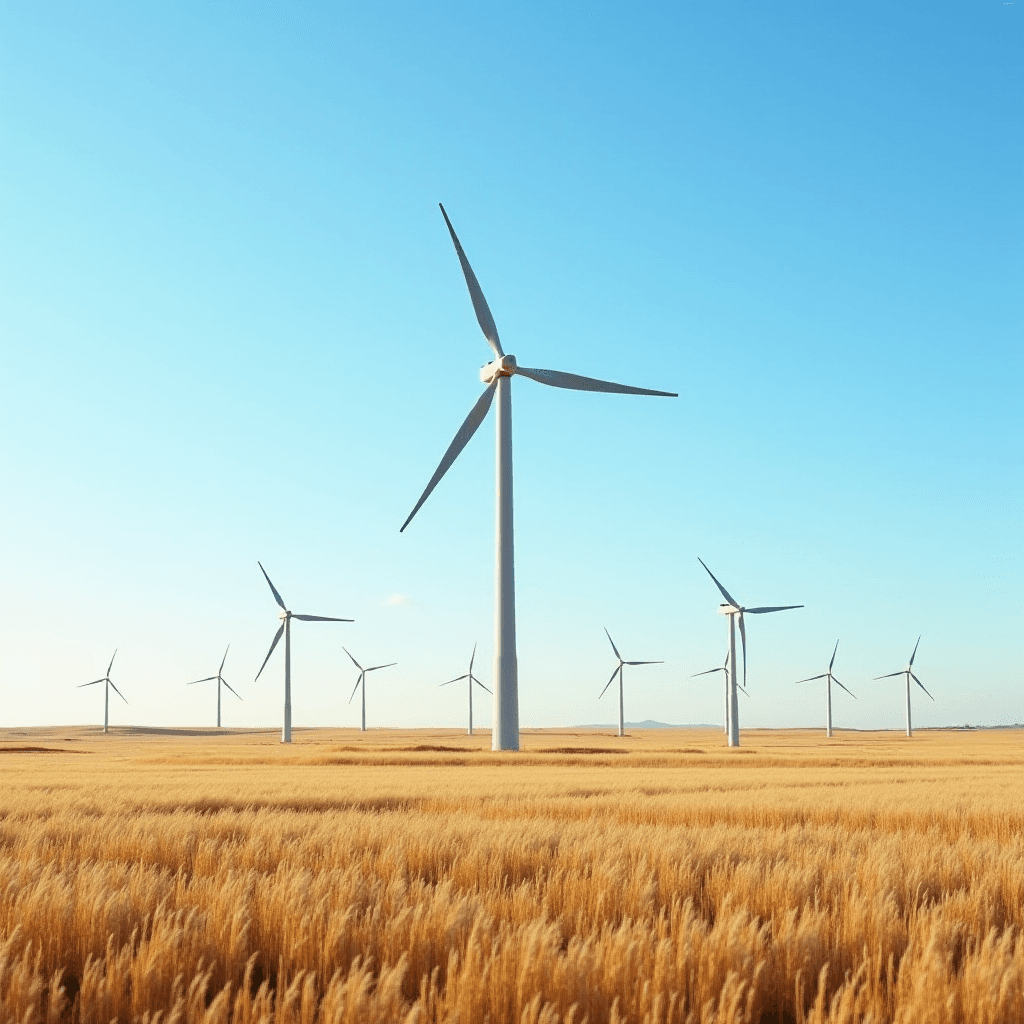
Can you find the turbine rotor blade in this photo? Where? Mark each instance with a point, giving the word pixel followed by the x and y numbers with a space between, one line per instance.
pixel 707 673
pixel 125 699
pixel 273 589
pixel 810 679
pixel 354 662
pixel 891 675
pixel 609 683
pixel 373 668
pixel 358 681
pixel 643 663
pixel 472 657
pixel 277 637
pixel 320 618
pixel 725 593
pixel 456 680
pixel 478 683
pixel 912 676
pixel 743 640
pixel 228 685
pixel 612 642
pixel 206 680
pixel 466 431
pixel 93 683
pixel 773 608
pixel 850 692
pixel 111 665
pixel 833 661
pixel 480 307
pixel 225 658
pixel 574 382
pixel 912 657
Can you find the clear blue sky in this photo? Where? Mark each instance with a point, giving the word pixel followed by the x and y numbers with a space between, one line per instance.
pixel 234 327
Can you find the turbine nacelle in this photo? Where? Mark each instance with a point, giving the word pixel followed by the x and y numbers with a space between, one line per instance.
pixel 729 609
pixel 503 366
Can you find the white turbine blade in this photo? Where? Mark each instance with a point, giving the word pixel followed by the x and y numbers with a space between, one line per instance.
pixel 912 676
pixel 742 689
pixel 850 692
pixel 725 593
pixel 833 661
pixel 228 685
pixel 478 683
pixel 609 683
pixel 709 671
pixel 320 618
pixel 774 608
pixel 125 699
pixel 390 664
pixel 358 681
pixel 480 307
pixel 912 657
pixel 890 675
pixel 111 665
pixel 206 680
pixel 277 637
pixel 810 679
pixel 574 382
pixel 456 680
pixel 277 596
pixel 472 658
pixel 93 683
pixel 612 642
pixel 354 662
pixel 743 641
pixel 643 663
pixel 466 431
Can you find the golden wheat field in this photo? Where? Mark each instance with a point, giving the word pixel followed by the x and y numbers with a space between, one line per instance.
pixel 416 876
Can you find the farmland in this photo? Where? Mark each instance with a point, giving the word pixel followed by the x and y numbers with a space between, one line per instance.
pixel 393 876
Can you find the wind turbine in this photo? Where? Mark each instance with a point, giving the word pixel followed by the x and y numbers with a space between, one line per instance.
pixel 909 673
pixel 497 375
pixel 618 672
pixel 220 681
pixel 361 681
pixel 724 669
pixel 734 610
pixel 106 693
pixel 472 679
pixel 828 688
pixel 286 628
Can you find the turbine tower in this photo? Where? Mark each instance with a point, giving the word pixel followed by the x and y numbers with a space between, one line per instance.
pixel 497 375
pixel 361 681
pixel 828 689
pixel 724 669
pixel 472 679
pixel 618 672
pixel 286 628
pixel 106 693
pixel 221 681
pixel 909 673
pixel 735 611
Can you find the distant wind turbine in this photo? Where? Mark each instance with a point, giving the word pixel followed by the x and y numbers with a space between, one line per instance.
pixel 472 679
pixel 618 672
pixel 221 681
pixel 286 628
pixel 724 669
pixel 735 611
pixel 109 683
pixel 828 689
pixel 361 681
pixel 909 673
pixel 497 375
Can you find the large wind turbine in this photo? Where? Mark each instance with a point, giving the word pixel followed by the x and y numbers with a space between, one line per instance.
pixel 106 692
pixel 618 672
pixel 221 681
pixel 828 688
pixel 734 610
pixel 909 673
pixel 724 669
pixel 286 628
pixel 361 681
pixel 472 679
pixel 497 375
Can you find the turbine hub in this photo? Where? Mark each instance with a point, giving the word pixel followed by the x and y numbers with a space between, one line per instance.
pixel 504 366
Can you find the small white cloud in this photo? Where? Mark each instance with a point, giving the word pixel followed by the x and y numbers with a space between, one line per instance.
pixel 400 601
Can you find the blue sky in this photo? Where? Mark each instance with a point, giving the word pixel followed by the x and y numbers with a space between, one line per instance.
pixel 234 328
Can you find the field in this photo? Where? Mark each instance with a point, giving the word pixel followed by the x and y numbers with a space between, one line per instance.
pixel 415 876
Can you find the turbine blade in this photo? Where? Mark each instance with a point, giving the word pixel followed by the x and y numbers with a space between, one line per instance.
pixel 466 431
pixel 111 665
pixel 912 676
pixel 478 683
pixel 480 307
pixel 742 689
pixel 228 685
pixel 125 699
pixel 833 661
pixel 354 662
pixel 643 663
pixel 850 692
pixel 277 637
pixel 725 593
pixel 709 671
pixel 320 618
pixel 472 658
pixel 612 642
pixel 891 675
pixel 93 683
pixel 743 641
pixel 373 668
pixel 206 680
pixel 574 382
pixel 609 683
pixel 914 655
pixel 358 681
pixel 222 660
pixel 810 679
pixel 277 596
pixel 456 680
pixel 773 608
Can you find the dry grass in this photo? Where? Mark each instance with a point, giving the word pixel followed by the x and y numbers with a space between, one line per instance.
pixel 398 876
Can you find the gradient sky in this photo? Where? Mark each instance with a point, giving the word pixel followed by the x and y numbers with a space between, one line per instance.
pixel 234 328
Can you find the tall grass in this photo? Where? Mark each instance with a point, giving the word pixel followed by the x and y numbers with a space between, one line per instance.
pixel 145 881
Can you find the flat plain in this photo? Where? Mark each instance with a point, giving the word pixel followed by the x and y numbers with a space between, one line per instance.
pixel 191 875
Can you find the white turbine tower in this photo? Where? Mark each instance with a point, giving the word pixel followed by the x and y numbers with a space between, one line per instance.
pixel 472 679
pixel 618 672
pixel 735 611
pixel 724 669
pixel 221 681
pixel 362 681
pixel 286 628
pixel 106 693
pixel 497 375
pixel 909 673
pixel 828 689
